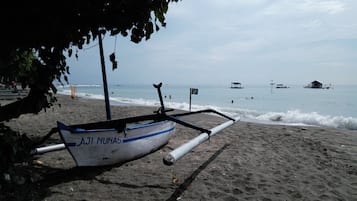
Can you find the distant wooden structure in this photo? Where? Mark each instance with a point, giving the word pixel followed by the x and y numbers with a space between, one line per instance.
pixel 315 85
pixel 236 85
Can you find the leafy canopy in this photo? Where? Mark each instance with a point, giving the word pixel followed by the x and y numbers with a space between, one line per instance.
pixel 38 34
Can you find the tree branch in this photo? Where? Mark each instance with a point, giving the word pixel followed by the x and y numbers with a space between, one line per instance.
pixel 33 103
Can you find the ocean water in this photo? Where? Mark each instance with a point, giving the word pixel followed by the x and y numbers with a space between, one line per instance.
pixel 296 105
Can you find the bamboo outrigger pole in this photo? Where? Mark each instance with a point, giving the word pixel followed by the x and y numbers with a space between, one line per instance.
pixel 42 150
pixel 179 152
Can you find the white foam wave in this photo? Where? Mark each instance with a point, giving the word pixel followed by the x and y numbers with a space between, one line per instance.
pixel 82 95
pixel 87 85
pixel 312 118
pixel 59 86
pixel 291 117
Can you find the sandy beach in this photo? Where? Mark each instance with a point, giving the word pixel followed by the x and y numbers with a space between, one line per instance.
pixel 246 161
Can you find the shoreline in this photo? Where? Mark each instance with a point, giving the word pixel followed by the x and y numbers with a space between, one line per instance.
pixel 247 161
pixel 284 117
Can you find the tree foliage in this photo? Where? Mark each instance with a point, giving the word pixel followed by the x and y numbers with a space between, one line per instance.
pixel 38 35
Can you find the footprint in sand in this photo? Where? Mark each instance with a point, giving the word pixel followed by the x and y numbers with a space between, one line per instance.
pixel 250 190
pixel 237 191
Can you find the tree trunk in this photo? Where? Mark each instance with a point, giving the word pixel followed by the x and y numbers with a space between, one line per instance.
pixel 33 103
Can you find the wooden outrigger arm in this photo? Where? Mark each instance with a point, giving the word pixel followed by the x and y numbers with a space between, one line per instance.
pixel 174 117
pixel 179 152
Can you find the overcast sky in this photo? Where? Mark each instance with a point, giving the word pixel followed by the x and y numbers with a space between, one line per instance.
pixel 249 41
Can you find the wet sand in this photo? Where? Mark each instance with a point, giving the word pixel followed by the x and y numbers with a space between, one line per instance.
pixel 246 161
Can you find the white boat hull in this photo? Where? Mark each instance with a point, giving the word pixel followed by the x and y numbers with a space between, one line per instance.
pixel 98 147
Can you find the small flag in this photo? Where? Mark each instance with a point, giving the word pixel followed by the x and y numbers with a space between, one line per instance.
pixel 194 91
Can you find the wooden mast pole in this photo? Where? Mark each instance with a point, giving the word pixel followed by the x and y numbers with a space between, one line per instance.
pixel 105 85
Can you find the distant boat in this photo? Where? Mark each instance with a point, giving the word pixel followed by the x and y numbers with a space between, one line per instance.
pixel 329 86
pixel 236 85
pixel 318 85
pixel 281 86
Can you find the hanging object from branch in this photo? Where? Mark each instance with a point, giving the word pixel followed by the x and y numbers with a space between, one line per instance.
pixel 112 56
pixel 114 62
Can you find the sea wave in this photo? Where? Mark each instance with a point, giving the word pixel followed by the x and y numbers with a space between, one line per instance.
pixel 290 117
pixel 87 85
pixel 59 86
pixel 312 118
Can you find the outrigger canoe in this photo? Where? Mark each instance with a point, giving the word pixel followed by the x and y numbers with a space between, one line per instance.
pixel 118 141
pixel 96 147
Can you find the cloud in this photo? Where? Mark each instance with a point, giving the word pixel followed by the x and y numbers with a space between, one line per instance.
pixel 253 39
pixel 312 24
pixel 295 7
pixel 324 6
